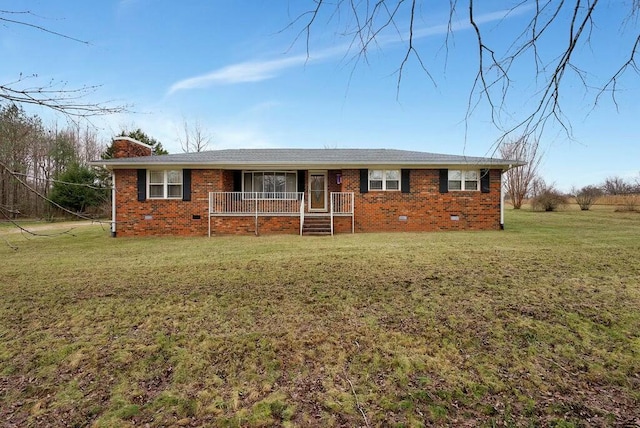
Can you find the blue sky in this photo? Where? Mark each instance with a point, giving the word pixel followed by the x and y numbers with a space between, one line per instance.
pixel 233 66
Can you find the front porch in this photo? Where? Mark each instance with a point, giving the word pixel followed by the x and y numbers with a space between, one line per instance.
pixel 280 204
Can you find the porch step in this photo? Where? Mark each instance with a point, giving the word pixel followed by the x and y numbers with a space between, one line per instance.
pixel 316 226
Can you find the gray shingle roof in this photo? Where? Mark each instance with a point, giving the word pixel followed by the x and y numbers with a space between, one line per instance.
pixel 301 158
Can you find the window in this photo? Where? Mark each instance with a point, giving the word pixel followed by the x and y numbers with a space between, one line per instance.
pixel 165 184
pixel 463 180
pixel 381 179
pixel 271 184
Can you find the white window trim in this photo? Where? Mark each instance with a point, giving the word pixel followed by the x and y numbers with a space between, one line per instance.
pixel 384 180
pixel 462 184
pixel 245 192
pixel 165 184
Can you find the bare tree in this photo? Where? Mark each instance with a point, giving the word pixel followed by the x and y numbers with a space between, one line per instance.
pixel 545 197
pixel 193 138
pixel 534 45
pixel 32 157
pixel 636 184
pixel 616 186
pixel 518 180
pixel 16 135
pixel 586 196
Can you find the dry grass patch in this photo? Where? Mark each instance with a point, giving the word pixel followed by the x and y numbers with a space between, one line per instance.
pixel 535 325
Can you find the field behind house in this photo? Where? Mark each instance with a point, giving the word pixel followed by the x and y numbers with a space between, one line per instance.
pixel 537 325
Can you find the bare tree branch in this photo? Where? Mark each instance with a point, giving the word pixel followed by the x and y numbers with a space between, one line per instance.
pixel 612 84
pixel 53 180
pixel 58 98
pixel 492 85
pixel 31 232
pixel 37 27
pixel 411 50
pixel 53 95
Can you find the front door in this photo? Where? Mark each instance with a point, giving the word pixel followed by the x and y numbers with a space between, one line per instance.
pixel 318 191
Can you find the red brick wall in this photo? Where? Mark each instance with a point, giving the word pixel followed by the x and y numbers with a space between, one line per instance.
pixel 164 216
pixel 424 208
pixel 332 183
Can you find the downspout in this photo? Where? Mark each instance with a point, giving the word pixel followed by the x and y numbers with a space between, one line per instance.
pixel 501 202
pixel 113 204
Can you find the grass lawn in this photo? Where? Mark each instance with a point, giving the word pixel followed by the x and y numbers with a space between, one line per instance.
pixel 537 325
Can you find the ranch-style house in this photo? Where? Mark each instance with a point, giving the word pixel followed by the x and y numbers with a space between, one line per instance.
pixel 301 191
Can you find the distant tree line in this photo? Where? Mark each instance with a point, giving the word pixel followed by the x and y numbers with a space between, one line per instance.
pixel 525 183
pixel 546 197
pixel 33 156
pixel 45 172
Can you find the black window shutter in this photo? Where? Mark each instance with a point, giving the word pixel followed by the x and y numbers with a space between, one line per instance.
pixel 301 180
pixel 405 180
pixel 444 180
pixel 237 181
pixel 142 185
pixel 364 180
pixel 485 181
pixel 186 184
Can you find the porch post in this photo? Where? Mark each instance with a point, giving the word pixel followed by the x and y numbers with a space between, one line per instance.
pixel 331 211
pixel 256 202
pixel 353 215
pixel 301 213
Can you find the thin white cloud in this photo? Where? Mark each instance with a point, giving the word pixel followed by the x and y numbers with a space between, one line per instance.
pixel 252 71
pixel 256 71
pixel 466 25
pixel 127 6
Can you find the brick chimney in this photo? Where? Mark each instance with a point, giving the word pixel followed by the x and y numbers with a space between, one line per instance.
pixel 125 147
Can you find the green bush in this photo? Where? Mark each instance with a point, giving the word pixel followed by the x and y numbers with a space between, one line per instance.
pixel 77 189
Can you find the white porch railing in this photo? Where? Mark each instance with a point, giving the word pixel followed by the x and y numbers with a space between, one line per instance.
pixel 255 204
pixel 342 205
pixel 252 204
pixel 243 203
